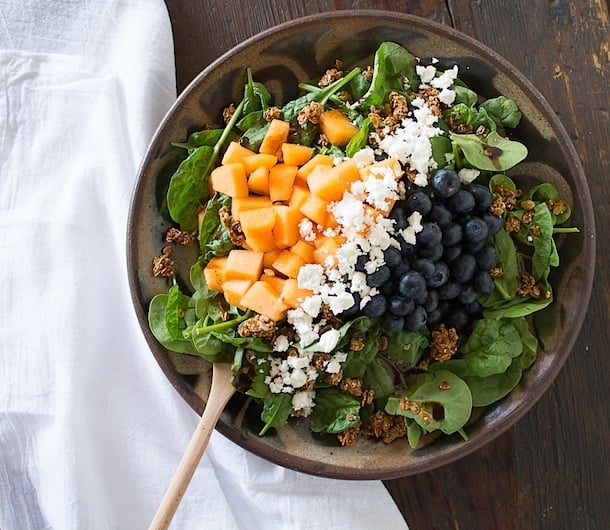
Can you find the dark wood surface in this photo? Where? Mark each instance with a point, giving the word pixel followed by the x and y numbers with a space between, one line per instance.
pixel 552 469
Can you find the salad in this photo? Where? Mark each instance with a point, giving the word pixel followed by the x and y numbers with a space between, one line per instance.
pixel 364 260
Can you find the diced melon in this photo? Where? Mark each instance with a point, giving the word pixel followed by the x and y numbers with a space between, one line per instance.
pixel 288 264
pixel 262 298
pixel 303 249
pixel 230 179
pixel 276 135
pixel 336 127
pixel 215 272
pixel 235 153
pixel 242 204
pixel 243 265
pixel 270 256
pixel 234 290
pixel 299 194
pixel 258 181
pixel 315 208
pixel 292 294
pixel 257 160
pixel 277 282
pixel 326 249
pixel 286 229
pixel 281 182
pixel 296 154
pixel 257 226
pixel 380 168
pixel 317 160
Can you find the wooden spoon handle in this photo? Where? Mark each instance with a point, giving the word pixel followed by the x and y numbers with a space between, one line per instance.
pixel 220 393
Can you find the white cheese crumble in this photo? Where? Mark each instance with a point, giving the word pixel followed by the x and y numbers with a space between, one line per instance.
pixel 414 227
pixel 364 157
pixel 281 343
pixel 304 401
pixel 468 175
pixel 328 340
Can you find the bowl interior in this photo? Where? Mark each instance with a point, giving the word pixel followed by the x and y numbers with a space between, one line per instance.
pixel 298 51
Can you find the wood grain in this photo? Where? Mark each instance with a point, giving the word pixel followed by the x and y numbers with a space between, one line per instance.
pixel 552 469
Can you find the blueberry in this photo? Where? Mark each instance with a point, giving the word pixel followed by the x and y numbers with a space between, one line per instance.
pixel 482 196
pixel 468 295
pixel 433 253
pixel 449 290
pixel 458 319
pixel 487 257
pixel 474 308
pixel 413 285
pixel 452 252
pixel 401 306
pixel 445 183
pixel 452 234
pixel 483 282
pixel 440 215
pixel 418 201
pixel 400 218
pixel 461 202
pixel 392 324
pixel 406 249
pixel 434 318
pixel 430 235
pixel 423 265
pixel 361 261
pixel 379 277
pixel 494 223
pixel 392 257
pixel 376 306
pixel 416 319
pixel 439 276
pixel 431 302
pixel 354 309
pixel 400 269
pixel 475 229
pixel 463 268
pixel 474 247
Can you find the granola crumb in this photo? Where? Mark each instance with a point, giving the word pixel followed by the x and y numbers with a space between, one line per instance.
pixel 257 326
pixel 444 343
pixel 331 75
pixel 164 265
pixel 529 287
pixel 228 112
pixel 272 113
pixel 386 427
pixel 310 113
pixel 181 237
pixel 351 386
pixel 349 437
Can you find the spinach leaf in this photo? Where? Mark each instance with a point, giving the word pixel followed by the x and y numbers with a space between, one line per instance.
pixel 488 390
pixel 444 398
pixel 276 410
pixel 494 153
pixel 464 95
pixel 503 111
pixel 256 95
pixel 158 326
pixel 408 346
pixel 360 139
pixel 207 137
pixel 210 222
pixel 379 379
pixel 357 361
pixel 335 411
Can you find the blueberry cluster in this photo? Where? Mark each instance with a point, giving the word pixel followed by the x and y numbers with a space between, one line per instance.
pixel 440 277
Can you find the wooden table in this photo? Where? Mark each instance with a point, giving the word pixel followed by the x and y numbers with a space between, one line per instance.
pixel 552 469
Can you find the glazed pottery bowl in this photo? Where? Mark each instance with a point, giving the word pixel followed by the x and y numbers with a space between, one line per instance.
pixel 299 51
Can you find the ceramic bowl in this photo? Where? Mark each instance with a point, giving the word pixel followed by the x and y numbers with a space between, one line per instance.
pixel 298 51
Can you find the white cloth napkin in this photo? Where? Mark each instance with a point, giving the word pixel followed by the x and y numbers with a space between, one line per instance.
pixel 90 430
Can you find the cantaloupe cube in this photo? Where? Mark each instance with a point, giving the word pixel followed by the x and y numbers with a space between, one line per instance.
pixel 235 153
pixel 277 282
pixel 336 127
pixel 257 225
pixel 286 229
pixel 257 160
pixel 347 172
pixel 288 264
pixel 281 182
pixel 234 290
pixel 299 194
pixel 276 135
pixel 315 208
pixel 230 179
pixel 303 249
pixel 215 272
pixel 380 168
pixel 326 249
pixel 296 154
pixel 242 204
pixel 270 256
pixel 292 294
pixel 316 160
pixel 262 298
pixel 243 265
pixel 258 181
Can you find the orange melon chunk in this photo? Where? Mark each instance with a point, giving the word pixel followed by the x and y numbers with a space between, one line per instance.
pixel 299 194
pixel 326 249
pixel 315 208
pixel 215 273
pixel 292 294
pixel 243 265
pixel 258 181
pixel 296 154
pixel 317 160
pixel 242 204
pixel 257 225
pixel 257 160
pixel 270 256
pixel 262 298
pixel 286 229
pixel 336 127
pixel 303 249
pixel 235 153
pixel 281 182
pixel 230 179
pixel 288 264
pixel 234 290
pixel 277 282
pixel 276 135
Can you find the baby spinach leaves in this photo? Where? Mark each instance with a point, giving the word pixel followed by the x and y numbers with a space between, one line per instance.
pixel 491 153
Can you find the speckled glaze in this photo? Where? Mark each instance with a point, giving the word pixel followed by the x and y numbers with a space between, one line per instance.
pixel 297 51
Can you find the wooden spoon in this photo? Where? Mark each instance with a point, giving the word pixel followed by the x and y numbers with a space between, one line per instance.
pixel 220 393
